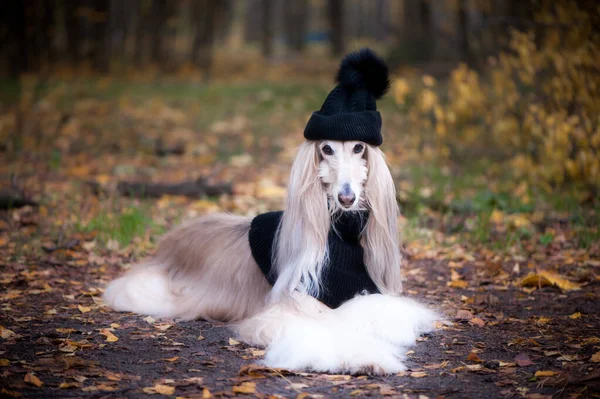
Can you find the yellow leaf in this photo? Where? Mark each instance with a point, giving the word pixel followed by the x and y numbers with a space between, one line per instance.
pixel 67 385
pixel 545 277
pixel 65 330
pixel 6 333
pixel 161 389
pixel 418 374
pixel 596 357
pixel 245 387
pixel 84 309
pixel 164 389
pixel 163 326
pixel 457 284
pixel 206 394
pixel 4 362
pixel 233 342
pixel 172 359
pixel 67 346
pixel 477 321
pixel 591 341
pixel 258 353
pixel 32 379
pixel 110 337
pixel 575 316
pixel 545 373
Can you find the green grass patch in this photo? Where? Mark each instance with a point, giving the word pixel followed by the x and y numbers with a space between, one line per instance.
pixel 122 227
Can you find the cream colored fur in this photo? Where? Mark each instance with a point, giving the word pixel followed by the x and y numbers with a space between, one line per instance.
pixel 204 269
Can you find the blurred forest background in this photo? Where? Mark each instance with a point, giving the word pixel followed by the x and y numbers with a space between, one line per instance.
pixel 491 124
pixel 37 35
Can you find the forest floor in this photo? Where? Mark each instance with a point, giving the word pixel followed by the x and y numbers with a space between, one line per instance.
pixel 516 271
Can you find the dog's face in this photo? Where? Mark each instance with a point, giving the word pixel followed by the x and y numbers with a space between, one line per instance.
pixel 343 170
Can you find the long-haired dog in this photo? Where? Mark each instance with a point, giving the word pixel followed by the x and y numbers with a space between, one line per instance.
pixel 207 269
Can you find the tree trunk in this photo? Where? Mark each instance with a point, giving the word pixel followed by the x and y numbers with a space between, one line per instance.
pixel 17 22
pixel 463 33
pixel 159 19
pixel 267 31
pixel 295 15
pixel 207 16
pixel 73 30
pixel 336 25
pixel 101 35
pixel 427 33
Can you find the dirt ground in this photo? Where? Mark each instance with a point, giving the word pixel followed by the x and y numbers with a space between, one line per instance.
pixel 500 341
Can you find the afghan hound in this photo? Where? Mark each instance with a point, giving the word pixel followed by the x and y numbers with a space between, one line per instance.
pixel 207 269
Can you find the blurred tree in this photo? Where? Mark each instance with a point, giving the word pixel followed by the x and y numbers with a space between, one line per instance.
pixel 463 33
pixel 159 15
pixel 336 26
pixel 208 15
pixel 100 46
pixel 295 23
pixel 267 28
pixel 73 29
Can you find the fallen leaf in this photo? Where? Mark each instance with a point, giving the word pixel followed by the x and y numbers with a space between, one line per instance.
pixel 435 366
pixel 575 316
pixel 65 330
pixel 297 386
pixel 386 390
pixel 545 277
pixel 32 379
pixel 4 362
pixel 472 357
pixel 474 367
pixel 523 360
pixel 543 320
pixel 163 326
pixel 172 359
pixel 110 337
pixel 457 284
pixel 545 373
pixel 245 387
pixel 258 353
pixel 596 357
pixel 67 346
pixel 464 315
pixel 6 333
pixel 149 319
pixel 233 342
pixel 418 374
pixel 84 309
pixel 68 385
pixel 477 321
pixel 206 394
pixel 591 341
pixel 160 389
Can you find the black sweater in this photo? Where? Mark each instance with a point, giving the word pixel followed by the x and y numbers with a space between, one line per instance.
pixel 343 277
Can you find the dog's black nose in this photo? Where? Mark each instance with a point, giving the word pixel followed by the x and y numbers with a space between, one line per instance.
pixel 347 200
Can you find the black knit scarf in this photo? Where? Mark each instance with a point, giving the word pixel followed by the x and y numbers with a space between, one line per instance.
pixel 343 277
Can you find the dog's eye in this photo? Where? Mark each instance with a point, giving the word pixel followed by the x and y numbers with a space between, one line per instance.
pixel 327 150
pixel 358 148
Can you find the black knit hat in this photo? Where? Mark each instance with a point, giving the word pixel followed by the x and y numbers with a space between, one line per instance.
pixel 350 110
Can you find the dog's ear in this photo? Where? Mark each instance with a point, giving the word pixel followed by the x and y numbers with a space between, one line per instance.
pixel 301 240
pixel 381 239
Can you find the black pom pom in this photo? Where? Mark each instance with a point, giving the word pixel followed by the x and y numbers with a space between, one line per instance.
pixel 363 68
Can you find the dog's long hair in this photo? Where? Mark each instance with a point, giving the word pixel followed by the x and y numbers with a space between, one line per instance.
pixel 301 250
pixel 205 269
